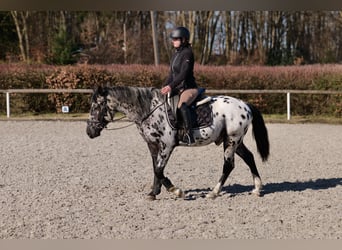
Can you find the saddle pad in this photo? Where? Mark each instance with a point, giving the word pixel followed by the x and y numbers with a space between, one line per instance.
pixel 201 116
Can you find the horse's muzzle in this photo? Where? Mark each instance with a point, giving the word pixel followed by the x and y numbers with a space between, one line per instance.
pixel 93 131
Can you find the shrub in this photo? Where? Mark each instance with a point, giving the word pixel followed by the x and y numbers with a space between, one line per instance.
pixel 314 77
pixel 62 78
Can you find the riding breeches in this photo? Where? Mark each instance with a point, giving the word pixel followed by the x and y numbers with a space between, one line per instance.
pixel 187 97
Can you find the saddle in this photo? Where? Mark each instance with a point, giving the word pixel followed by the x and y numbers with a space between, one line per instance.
pixel 201 113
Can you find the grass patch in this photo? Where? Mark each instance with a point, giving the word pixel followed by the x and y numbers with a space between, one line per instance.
pixel 282 118
pixel 50 117
pixel 274 118
pixel 44 117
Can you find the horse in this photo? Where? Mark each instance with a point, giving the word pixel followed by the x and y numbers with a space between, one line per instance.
pixel 150 111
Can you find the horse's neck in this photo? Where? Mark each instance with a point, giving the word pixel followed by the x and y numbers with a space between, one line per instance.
pixel 135 103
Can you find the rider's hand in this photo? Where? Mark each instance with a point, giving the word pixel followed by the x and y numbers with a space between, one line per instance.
pixel 165 90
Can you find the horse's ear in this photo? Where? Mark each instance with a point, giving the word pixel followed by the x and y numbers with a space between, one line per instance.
pixel 95 89
pixel 99 90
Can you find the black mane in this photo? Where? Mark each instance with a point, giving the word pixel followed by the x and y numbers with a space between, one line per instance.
pixel 135 100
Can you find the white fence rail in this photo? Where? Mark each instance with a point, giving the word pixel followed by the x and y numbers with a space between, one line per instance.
pixel 209 91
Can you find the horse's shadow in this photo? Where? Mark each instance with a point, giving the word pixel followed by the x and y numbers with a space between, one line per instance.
pixel 270 188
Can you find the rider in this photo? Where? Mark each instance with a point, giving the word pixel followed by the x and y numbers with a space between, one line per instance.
pixel 181 78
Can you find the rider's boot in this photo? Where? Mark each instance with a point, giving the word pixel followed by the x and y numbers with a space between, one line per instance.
pixel 188 138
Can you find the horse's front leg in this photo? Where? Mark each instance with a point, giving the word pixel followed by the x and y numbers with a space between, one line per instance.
pixel 160 156
pixel 156 186
pixel 159 173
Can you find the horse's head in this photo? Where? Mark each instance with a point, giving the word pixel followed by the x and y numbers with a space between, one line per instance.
pixel 100 112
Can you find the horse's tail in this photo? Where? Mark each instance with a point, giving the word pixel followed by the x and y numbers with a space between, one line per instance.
pixel 260 133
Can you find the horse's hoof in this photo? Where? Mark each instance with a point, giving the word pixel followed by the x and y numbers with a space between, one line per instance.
pixel 256 192
pixel 151 197
pixel 211 195
pixel 178 192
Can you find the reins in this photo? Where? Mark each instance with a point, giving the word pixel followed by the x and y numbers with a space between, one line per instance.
pixel 118 119
pixel 100 125
pixel 151 112
pixel 132 123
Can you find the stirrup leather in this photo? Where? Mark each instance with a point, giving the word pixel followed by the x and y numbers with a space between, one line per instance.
pixel 188 138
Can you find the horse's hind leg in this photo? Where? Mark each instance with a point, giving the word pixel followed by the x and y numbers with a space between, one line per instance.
pixel 228 166
pixel 248 158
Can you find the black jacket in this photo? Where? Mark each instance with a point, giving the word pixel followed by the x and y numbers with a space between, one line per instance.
pixel 181 70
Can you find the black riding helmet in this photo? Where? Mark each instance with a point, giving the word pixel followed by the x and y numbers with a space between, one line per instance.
pixel 180 32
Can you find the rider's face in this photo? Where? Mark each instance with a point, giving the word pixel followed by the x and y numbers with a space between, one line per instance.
pixel 176 42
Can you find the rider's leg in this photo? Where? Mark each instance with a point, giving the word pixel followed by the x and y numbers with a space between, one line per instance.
pixel 185 99
pixel 185 112
pixel 188 96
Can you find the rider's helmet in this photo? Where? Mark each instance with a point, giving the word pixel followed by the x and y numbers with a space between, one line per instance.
pixel 181 32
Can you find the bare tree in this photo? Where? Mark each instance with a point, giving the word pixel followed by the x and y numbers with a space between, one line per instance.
pixel 20 20
pixel 154 38
pixel 233 37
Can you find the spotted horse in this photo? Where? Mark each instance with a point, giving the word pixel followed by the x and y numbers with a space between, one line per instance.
pixel 148 109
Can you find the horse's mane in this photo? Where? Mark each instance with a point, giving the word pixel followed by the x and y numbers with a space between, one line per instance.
pixel 137 98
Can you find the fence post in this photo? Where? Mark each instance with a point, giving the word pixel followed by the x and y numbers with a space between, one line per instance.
pixel 288 102
pixel 8 104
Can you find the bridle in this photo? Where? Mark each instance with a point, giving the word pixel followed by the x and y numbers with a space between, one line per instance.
pixel 103 112
pixel 95 123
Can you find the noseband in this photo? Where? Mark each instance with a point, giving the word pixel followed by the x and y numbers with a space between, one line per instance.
pixel 102 113
pixel 96 124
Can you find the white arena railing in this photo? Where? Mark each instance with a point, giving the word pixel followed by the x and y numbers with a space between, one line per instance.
pixel 288 93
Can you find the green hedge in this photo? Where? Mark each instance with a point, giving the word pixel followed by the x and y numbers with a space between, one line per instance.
pixel 308 77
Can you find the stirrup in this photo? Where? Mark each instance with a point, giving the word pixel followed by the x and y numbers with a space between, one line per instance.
pixel 188 139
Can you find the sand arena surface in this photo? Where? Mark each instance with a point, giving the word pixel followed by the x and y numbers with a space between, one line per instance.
pixel 57 183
